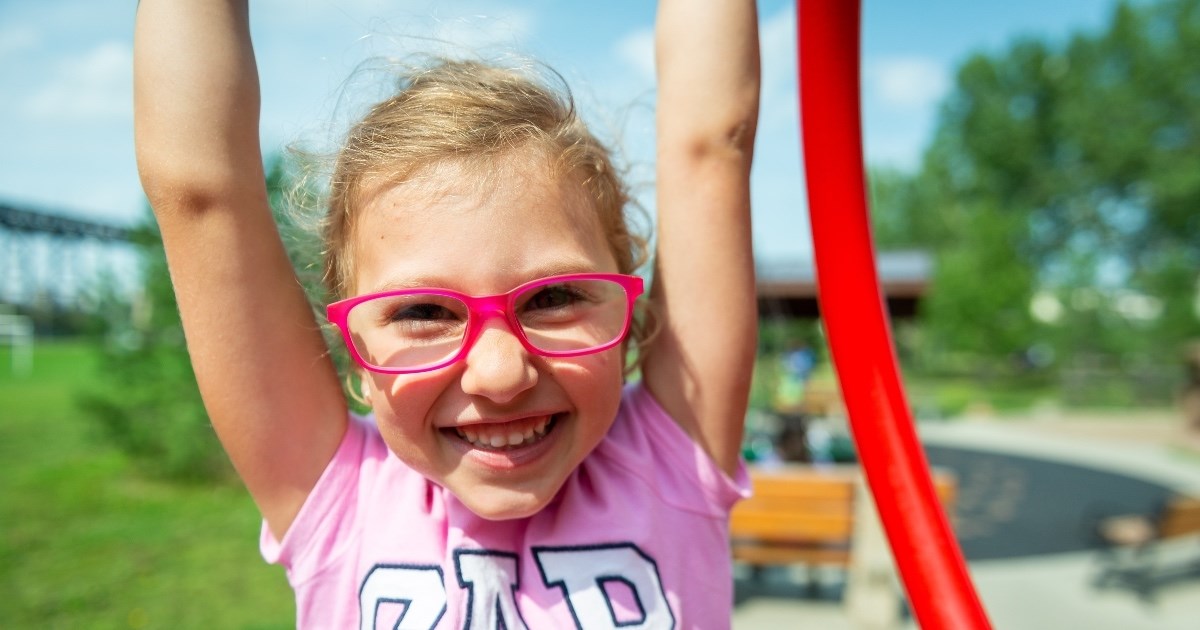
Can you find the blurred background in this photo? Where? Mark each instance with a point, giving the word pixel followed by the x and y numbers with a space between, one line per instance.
pixel 1034 177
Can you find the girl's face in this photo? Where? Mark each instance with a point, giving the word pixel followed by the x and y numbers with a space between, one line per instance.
pixel 450 231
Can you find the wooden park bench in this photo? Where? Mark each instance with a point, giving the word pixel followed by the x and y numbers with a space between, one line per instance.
pixel 1132 544
pixel 803 515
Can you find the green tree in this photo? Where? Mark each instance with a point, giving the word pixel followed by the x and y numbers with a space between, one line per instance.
pixel 1071 168
pixel 149 405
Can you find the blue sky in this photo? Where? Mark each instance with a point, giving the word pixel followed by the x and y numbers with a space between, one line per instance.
pixel 66 142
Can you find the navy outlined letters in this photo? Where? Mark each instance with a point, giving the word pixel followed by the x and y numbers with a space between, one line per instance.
pixel 491 580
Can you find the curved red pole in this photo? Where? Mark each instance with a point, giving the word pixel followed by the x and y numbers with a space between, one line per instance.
pixel 927 555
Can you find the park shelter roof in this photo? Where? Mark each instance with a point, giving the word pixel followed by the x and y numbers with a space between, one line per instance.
pixel 788 288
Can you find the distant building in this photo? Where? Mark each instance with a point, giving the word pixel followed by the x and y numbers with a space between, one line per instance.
pixel 789 288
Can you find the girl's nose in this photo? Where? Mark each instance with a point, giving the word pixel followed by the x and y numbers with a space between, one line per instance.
pixel 498 366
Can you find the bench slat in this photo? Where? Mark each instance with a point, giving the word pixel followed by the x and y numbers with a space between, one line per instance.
pixel 1182 517
pixel 802 515
pixel 783 554
pixel 797 528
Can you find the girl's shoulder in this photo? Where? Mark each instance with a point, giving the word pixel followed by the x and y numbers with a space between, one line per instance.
pixel 646 443
pixel 363 472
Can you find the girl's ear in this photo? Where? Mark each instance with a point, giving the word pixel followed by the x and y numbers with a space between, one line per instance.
pixel 358 388
pixel 364 386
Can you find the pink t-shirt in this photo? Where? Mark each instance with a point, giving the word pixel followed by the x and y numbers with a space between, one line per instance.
pixel 638 537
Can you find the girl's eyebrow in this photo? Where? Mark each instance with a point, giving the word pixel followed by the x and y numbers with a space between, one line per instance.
pixel 557 268
pixel 400 284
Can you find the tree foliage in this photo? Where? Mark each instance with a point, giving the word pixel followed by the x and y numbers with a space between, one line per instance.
pixel 148 404
pixel 1069 169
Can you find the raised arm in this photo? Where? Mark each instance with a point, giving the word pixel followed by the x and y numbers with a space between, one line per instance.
pixel 269 388
pixel 708 88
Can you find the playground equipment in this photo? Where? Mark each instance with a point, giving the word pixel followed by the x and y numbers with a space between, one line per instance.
pixel 928 558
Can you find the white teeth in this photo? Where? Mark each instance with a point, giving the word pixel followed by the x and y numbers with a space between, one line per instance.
pixel 501 437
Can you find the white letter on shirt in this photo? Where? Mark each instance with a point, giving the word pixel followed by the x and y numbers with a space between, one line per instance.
pixel 491 578
pixel 418 588
pixel 583 572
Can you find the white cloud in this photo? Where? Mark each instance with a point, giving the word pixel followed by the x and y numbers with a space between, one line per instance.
pixel 907 82
pixel 637 50
pixel 97 84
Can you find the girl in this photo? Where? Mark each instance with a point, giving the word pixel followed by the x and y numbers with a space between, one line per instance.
pixel 507 475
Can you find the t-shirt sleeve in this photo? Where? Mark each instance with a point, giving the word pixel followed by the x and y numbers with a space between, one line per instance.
pixel 325 523
pixel 650 444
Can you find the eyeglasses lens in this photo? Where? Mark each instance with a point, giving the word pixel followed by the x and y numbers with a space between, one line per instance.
pixel 572 316
pixel 408 331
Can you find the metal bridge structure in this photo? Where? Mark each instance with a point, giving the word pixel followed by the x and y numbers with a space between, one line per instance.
pixel 52 256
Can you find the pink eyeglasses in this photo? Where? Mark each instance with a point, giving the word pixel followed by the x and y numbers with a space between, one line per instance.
pixel 418 330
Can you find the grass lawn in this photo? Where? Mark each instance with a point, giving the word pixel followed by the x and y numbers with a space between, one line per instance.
pixel 88 542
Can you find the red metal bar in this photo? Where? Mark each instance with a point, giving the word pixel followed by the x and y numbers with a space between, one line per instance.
pixel 852 305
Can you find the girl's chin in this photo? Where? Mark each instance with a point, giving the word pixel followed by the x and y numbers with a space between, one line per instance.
pixel 495 508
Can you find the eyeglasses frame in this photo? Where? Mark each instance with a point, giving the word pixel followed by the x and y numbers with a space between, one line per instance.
pixel 482 308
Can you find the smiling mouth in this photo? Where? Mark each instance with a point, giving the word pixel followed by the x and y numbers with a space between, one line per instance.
pixel 508 435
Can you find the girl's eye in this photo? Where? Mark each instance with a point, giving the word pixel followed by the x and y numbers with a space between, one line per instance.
pixel 553 296
pixel 422 312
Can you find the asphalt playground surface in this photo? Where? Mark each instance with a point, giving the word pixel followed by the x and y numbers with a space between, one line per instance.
pixel 1011 506
pixel 1029 493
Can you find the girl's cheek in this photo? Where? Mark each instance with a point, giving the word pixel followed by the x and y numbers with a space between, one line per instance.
pixel 406 392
